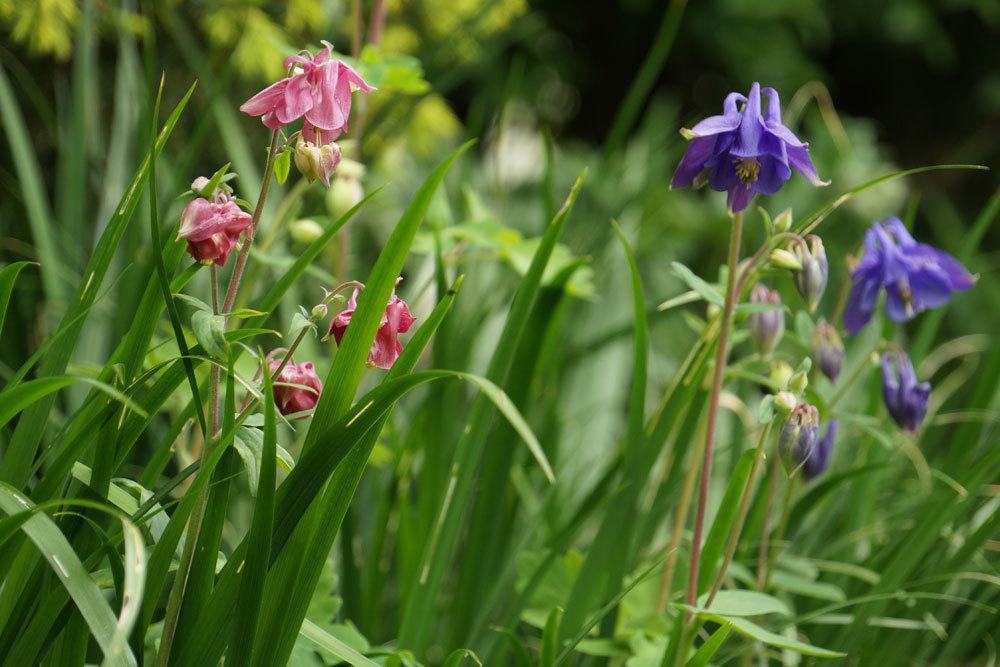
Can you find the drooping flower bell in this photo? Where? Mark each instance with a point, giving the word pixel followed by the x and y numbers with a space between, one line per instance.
pixel 212 227
pixel 819 459
pixel 905 397
pixel 828 350
pixel 386 347
pixel 798 436
pixel 298 386
pixel 743 152
pixel 767 327
pixel 812 278
pixel 319 88
pixel 915 276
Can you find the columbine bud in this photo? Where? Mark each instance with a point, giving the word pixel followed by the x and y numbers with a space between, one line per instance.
pixel 784 259
pixel 783 222
pixel 781 373
pixel 212 228
pixel 785 401
pixel 767 327
pixel 198 186
pixel 828 350
pixel 318 312
pixel 819 459
pixel 305 230
pixel 905 397
pixel 798 436
pixel 297 388
pixel 811 280
pixel 346 190
pixel 317 162
pixel 798 382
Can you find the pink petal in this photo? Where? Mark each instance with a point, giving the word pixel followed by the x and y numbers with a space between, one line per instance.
pixel 266 100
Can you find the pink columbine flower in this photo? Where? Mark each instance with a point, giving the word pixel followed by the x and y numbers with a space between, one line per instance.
pixel 395 320
pixel 297 388
pixel 319 89
pixel 212 228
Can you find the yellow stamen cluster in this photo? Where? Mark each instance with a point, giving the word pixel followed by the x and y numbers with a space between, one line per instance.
pixel 747 169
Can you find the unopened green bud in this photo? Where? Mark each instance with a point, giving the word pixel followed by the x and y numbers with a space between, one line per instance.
pixel 319 312
pixel 798 383
pixel 783 222
pixel 784 259
pixel 781 373
pixel 305 230
pixel 785 401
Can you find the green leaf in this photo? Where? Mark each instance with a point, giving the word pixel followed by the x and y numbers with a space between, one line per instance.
pixel 7 278
pixel 282 165
pixel 19 397
pixel 249 444
pixel 460 654
pixel 705 291
pixel 754 631
pixel 23 446
pixel 722 525
pixel 337 647
pixel 550 639
pixel 785 581
pixel 744 603
pixel 711 646
pixel 258 553
pixel 68 569
pixel 217 178
pixel 209 331
pixel 392 71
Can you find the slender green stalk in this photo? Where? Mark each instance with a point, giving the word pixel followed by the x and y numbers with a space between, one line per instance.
pixel 765 532
pixel 713 405
pixel 741 515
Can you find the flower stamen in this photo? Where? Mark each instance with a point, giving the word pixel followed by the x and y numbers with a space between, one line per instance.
pixel 747 169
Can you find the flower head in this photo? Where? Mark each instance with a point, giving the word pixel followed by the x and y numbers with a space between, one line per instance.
pixel 386 347
pixel 767 327
pixel 915 276
pixel 798 435
pixel 905 397
pixel 212 228
pixel 743 152
pixel 828 350
pixel 811 279
pixel 298 386
pixel 819 459
pixel 319 88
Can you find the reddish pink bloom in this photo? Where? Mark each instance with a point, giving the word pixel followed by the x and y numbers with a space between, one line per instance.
pixel 297 388
pixel 386 347
pixel 320 89
pixel 212 228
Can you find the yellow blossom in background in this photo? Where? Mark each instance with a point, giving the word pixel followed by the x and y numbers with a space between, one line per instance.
pixel 46 26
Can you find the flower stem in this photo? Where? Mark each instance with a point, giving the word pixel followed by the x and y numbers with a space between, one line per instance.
pixel 172 615
pixel 713 405
pixel 765 533
pixel 741 515
pixel 241 258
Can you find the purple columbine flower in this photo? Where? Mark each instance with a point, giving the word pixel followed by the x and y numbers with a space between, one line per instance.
pixel 915 276
pixel 819 458
pixel 905 397
pixel 797 438
pixel 742 152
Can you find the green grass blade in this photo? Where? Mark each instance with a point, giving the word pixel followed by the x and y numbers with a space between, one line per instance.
pixel 8 276
pixel 16 399
pixel 258 553
pixel 36 205
pixel 71 573
pixel 438 550
pixel 711 646
pixel 722 525
pixel 23 446
pixel 338 648
pixel 550 639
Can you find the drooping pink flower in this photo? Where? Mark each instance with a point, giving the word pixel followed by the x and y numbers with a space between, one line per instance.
pixel 212 228
pixel 386 347
pixel 319 89
pixel 304 395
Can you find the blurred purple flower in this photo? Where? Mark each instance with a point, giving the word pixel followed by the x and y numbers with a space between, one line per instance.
pixel 766 327
pixel 797 438
pixel 742 152
pixel 828 350
pixel 819 458
pixel 905 397
pixel 915 276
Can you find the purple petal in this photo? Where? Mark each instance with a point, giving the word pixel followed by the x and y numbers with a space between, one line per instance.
pixel 722 176
pixel 716 125
pixel 860 305
pixel 773 174
pixel 693 162
pixel 798 157
pixel 739 198
pixel 958 275
pixel 930 287
pixel 751 126
pixel 895 304
pixel 898 229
